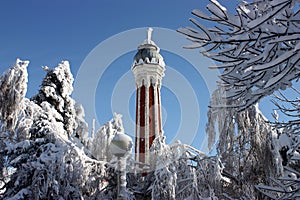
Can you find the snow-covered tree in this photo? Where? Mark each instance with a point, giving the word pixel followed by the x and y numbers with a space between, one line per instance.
pixel 183 172
pixel 198 176
pixel 257 51
pixel 247 146
pixel 288 185
pixel 101 141
pixel 163 186
pixel 186 183
pixel 56 90
pixel 81 131
pixel 13 87
pixel 41 158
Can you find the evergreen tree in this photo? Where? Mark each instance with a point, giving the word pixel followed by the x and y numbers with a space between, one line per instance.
pixel 56 90
pixel 44 160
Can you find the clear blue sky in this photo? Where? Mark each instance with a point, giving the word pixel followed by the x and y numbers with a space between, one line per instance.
pixel 46 32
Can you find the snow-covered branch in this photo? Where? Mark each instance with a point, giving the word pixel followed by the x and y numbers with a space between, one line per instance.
pixel 257 47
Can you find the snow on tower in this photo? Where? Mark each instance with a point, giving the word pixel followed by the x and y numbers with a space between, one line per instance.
pixel 148 69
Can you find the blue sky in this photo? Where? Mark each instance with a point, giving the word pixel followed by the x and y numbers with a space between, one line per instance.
pixel 46 32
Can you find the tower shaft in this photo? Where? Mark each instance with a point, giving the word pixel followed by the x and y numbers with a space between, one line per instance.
pixel 148 119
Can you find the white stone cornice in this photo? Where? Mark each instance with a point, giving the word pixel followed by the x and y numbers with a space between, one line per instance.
pixel 159 61
pixel 147 72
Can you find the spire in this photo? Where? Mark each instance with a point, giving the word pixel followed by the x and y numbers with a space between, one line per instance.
pixel 148 41
pixel 149 34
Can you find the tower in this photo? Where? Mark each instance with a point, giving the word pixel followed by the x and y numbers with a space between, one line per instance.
pixel 148 69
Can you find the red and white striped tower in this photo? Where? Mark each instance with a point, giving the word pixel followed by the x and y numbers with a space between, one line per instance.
pixel 148 69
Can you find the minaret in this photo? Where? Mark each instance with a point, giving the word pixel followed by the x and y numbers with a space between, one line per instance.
pixel 148 69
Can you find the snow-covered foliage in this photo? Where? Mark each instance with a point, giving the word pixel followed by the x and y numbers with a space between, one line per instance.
pixel 257 51
pixel 178 171
pixel 247 146
pixel 288 133
pixel 46 151
pixel 101 141
pixel 40 155
pixel 183 172
pixel 258 47
pixel 13 87
pixel 47 154
pixel 55 92
pixel 82 131
pixel 164 175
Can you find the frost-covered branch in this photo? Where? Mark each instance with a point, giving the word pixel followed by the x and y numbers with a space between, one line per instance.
pixel 257 48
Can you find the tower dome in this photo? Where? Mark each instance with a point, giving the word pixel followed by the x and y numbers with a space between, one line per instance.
pixel 148 52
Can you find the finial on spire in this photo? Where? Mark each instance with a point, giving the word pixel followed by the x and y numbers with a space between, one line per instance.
pixel 149 33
